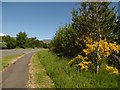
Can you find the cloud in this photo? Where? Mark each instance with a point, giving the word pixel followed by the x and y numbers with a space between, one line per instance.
pixel 1 34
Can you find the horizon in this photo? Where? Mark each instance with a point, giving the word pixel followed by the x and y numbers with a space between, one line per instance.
pixel 2 34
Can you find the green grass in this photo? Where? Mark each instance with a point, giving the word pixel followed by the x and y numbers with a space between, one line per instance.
pixel 41 79
pixel 5 61
pixel 64 76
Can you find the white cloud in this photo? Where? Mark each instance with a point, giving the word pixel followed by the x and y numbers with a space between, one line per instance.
pixel 1 34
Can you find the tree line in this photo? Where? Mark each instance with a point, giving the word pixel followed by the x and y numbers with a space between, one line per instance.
pixel 21 41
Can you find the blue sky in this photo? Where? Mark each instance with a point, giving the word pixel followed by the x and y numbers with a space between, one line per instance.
pixel 37 19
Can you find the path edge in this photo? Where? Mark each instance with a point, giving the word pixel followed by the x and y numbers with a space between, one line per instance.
pixel 12 62
pixel 30 83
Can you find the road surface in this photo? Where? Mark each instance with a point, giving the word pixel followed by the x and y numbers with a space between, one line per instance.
pixel 16 75
pixel 15 51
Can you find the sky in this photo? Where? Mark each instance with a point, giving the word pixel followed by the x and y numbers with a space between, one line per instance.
pixel 37 19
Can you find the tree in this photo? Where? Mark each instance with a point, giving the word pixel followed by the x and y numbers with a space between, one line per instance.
pixel 21 39
pixel 32 42
pixel 95 20
pixel 38 43
pixel 3 45
pixel 64 41
pixel 117 31
pixel 9 42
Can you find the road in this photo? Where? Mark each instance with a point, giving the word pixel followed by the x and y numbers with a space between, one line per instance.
pixel 16 75
pixel 16 51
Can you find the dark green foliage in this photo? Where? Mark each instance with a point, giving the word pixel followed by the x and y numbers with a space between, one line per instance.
pixel 94 20
pixel 10 41
pixel 21 39
pixel 117 31
pixel 38 43
pixel 114 60
pixel 24 42
pixel 31 42
pixel 64 42
pixel 2 43
pixel 45 45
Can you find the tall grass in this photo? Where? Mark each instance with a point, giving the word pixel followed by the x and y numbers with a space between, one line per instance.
pixel 67 77
pixel 40 79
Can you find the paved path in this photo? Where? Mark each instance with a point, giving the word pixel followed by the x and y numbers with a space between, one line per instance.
pixel 15 51
pixel 16 75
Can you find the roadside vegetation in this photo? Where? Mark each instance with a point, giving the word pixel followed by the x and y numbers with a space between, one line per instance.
pixel 64 76
pixel 38 77
pixel 91 39
pixel 86 53
pixel 7 60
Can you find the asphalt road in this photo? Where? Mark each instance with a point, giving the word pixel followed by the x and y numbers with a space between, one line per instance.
pixel 16 51
pixel 16 76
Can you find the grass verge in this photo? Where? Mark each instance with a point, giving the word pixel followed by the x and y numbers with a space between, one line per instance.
pixel 6 61
pixel 64 76
pixel 37 74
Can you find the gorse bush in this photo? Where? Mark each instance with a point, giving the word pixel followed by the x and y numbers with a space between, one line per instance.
pixel 105 50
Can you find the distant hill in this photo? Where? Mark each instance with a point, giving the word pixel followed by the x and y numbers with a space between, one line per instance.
pixel 46 40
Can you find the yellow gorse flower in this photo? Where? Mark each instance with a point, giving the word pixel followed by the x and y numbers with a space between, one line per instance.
pixel 79 58
pixel 111 69
pixel 105 48
pixel 84 65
